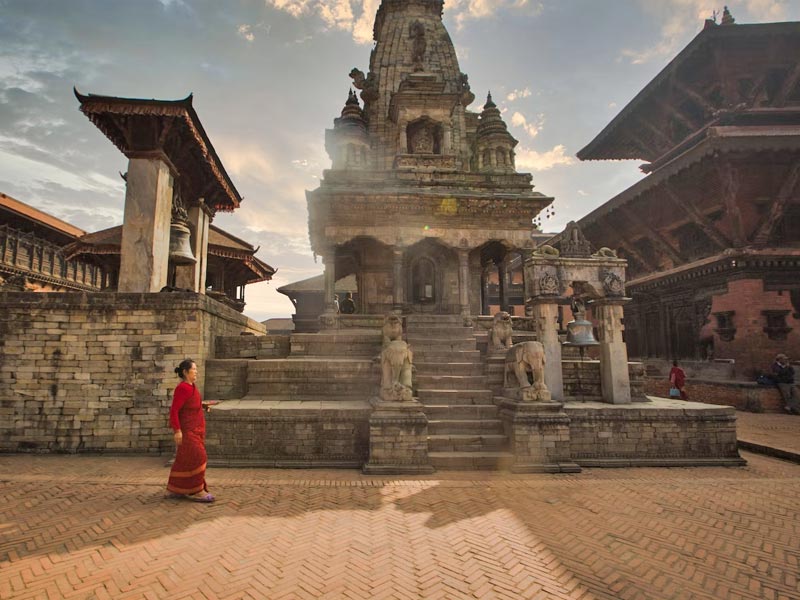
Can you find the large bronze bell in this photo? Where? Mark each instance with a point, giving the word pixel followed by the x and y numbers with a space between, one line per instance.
pixel 180 248
pixel 580 332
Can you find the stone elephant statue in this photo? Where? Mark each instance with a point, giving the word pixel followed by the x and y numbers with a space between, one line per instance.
pixel 523 358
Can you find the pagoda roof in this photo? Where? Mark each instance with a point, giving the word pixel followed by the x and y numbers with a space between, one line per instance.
pixel 220 243
pixel 39 217
pixel 317 284
pixel 611 142
pixel 141 127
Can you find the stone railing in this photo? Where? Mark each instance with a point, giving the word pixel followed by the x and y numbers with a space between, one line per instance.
pixel 42 261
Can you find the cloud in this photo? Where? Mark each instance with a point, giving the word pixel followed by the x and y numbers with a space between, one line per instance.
pixel 517 94
pixel 528 159
pixel 357 16
pixel 470 10
pixel 532 129
pixel 246 31
pixel 681 19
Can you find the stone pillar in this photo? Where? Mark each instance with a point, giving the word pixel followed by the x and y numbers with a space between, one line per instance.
pixel 193 277
pixel 463 281
pixel 329 260
pixel 502 283
pixel 614 376
pixel 398 439
pixel 144 255
pixel 545 316
pixel 398 279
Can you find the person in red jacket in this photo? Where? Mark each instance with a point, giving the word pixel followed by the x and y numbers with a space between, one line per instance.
pixel 187 479
pixel 677 379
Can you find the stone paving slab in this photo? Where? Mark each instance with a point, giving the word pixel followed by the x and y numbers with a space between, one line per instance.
pixel 98 527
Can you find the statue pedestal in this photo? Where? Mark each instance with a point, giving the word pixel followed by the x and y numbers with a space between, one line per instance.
pixel 538 433
pixel 398 439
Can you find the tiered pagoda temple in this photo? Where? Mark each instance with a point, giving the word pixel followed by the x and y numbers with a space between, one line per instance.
pixel 423 203
pixel 712 234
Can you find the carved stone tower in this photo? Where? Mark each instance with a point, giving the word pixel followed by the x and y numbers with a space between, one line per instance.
pixel 423 196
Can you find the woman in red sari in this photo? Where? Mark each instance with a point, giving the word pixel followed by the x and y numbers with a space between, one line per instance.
pixel 187 479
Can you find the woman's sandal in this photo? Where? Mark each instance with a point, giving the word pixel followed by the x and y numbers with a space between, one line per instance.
pixel 206 498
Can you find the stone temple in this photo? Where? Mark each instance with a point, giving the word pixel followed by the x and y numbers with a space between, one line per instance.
pixel 424 211
pixel 423 197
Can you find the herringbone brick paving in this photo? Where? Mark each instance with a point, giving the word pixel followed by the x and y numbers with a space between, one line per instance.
pixel 98 527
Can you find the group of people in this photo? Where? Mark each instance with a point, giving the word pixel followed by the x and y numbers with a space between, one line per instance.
pixel 346 306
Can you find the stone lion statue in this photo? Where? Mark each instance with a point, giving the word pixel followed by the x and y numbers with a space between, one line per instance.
pixel 501 332
pixel 392 329
pixel 605 252
pixel 396 371
pixel 523 358
pixel 546 250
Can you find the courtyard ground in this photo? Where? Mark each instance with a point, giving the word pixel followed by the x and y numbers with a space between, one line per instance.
pixel 99 527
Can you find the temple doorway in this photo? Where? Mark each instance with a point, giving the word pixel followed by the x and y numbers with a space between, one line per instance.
pixel 432 271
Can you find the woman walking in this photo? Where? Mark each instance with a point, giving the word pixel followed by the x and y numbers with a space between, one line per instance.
pixel 187 479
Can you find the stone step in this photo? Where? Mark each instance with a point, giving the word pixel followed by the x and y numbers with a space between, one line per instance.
pixel 450 382
pixel 435 331
pixel 441 345
pixel 471 461
pixel 423 354
pixel 467 443
pixel 439 396
pixel 449 368
pixel 465 426
pixel 462 412
pixel 310 377
pixel 436 320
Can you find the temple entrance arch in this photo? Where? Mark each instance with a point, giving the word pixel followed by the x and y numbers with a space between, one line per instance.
pixel 432 278
pixel 502 278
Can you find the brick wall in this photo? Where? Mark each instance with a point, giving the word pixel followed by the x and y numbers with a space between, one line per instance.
pixel 741 395
pixel 751 347
pixel 94 371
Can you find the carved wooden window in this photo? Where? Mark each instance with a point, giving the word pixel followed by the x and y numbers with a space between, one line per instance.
pixel 725 327
pixel 776 328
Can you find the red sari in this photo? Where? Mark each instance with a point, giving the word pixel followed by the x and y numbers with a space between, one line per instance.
pixel 188 474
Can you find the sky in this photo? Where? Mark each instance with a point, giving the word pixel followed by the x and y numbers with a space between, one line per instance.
pixel 269 76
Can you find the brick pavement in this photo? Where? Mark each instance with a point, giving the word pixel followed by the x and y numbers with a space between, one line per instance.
pixel 98 527
pixel 776 433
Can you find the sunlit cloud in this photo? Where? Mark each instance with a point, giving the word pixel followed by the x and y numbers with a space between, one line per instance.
pixel 246 31
pixel 528 159
pixel 518 94
pixel 532 128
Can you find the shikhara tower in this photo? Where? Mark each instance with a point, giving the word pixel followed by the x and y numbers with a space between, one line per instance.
pixel 423 201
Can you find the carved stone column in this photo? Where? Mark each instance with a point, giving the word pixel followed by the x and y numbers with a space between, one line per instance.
pixel 329 317
pixel 502 283
pixel 545 318
pixel 614 376
pixel 463 281
pixel 144 256
pixel 398 279
pixel 193 277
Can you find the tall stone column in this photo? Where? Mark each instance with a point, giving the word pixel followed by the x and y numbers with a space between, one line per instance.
pixel 329 260
pixel 193 277
pixel 545 316
pixel 614 376
pixel 463 281
pixel 502 282
pixel 398 287
pixel 144 258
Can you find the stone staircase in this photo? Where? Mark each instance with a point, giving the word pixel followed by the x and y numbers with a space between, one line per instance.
pixel 465 431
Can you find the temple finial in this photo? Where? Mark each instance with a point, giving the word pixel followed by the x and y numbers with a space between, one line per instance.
pixel 489 102
pixel 727 17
